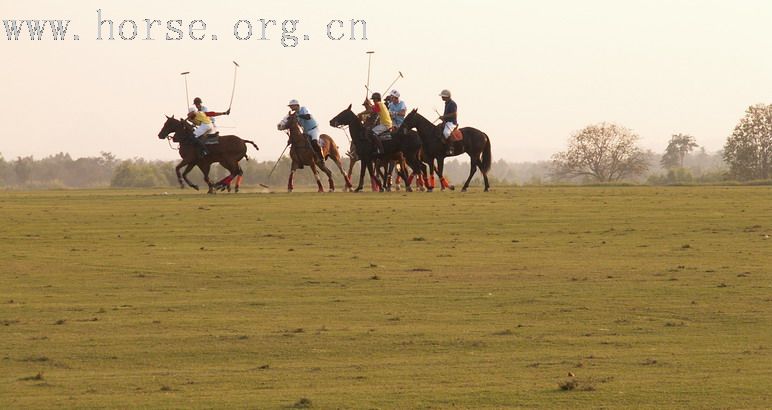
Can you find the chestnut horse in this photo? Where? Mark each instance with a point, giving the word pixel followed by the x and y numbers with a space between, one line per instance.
pixel 229 150
pixel 302 154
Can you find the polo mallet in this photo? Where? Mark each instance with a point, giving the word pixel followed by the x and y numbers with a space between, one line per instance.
pixel 233 92
pixel 276 164
pixel 394 82
pixel 187 97
pixel 439 116
pixel 369 60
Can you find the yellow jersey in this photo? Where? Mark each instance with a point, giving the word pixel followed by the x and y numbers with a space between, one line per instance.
pixel 384 118
pixel 201 118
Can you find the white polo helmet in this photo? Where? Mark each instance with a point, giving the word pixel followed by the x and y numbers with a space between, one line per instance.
pixel 293 102
pixel 394 93
pixel 445 93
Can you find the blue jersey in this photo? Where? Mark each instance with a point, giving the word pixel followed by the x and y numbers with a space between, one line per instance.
pixel 307 124
pixel 450 108
pixel 394 109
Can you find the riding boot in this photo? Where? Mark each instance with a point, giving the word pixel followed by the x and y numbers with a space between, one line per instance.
pixel 378 144
pixel 317 150
pixel 448 146
pixel 201 146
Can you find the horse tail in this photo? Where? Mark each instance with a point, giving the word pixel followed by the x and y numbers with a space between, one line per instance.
pixel 253 144
pixel 486 156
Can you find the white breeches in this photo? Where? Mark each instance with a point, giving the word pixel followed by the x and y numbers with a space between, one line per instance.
pixel 314 133
pixel 449 127
pixel 379 129
pixel 203 129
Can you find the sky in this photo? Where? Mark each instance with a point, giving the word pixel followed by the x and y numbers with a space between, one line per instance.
pixel 528 73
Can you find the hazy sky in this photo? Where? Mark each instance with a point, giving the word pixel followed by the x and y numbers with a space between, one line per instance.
pixel 528 73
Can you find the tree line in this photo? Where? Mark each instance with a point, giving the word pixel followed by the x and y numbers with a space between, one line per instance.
pixel 609 153
pixel 599 153
pixel 61 171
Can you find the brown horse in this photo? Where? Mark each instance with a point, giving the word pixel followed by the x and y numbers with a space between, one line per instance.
pixel 229 150
pixel 475 143
pixel 302 154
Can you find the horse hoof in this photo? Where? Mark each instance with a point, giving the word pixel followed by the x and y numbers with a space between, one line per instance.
pixel 236 190
pixel 453 188
pixel 486 190
pixel 463 190
pixel 195 187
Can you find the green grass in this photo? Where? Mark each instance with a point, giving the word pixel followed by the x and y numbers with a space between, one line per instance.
pixel 651 297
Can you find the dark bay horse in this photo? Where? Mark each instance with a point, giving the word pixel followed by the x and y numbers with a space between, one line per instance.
pixel 302 154
pixel 227 152
pixel 475 143
pixel 381 165
pixel 407 143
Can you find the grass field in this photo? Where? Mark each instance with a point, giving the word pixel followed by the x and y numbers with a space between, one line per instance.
pixel 650 297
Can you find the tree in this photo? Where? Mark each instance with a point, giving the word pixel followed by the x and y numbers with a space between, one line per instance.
pixel 3 170
pixel 138 174
pixel 676 150
pixel 23 169
pixel 605 152
pixel 749 150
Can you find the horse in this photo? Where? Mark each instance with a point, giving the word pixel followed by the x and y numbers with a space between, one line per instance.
pixel 383 167
pixel 303 154
pixel 408 143
pixel 475 143
pixel 229 150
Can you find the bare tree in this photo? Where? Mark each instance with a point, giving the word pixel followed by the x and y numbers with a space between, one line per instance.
pixel 679 146
pixel 749 150
pixel 605 152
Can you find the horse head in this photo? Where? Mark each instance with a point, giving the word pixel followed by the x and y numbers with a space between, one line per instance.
pixel 181 129
pixel 169 127
pixel 345 117
pixel 409 122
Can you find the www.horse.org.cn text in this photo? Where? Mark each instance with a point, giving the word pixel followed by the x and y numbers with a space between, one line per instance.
pixel 287 32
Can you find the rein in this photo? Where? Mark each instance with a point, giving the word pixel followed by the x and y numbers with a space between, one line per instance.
pixel 169 141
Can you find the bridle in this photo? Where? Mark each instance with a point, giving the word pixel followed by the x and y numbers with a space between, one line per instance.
pixel 170 139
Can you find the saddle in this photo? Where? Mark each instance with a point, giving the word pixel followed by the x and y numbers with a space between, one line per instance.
pixel 211 139
pixel 384 136
pixel 456 135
